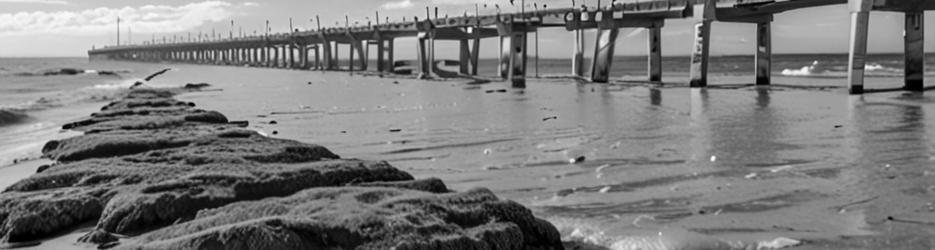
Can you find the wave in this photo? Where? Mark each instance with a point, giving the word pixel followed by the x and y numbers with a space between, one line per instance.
pixel 644 233
pixel 69 72
pixel 11 116
pixel 819 69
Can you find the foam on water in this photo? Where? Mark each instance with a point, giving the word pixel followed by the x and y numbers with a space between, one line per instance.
pixel 819 69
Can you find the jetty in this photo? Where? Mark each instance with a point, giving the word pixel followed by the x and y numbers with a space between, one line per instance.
pixel 318 49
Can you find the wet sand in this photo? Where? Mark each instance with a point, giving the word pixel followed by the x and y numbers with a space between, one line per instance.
pixel 736 164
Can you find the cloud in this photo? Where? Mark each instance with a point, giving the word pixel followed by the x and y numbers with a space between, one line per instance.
pixel 98 21
pixel 35 1
pixel 401 4
pixel 251 4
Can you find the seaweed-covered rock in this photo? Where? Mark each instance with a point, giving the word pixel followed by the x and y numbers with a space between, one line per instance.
pixel 431 185
pixel 188 143
pixel 362 218
pixel 128 196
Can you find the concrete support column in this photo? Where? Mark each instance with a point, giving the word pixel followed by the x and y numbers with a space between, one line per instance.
pixel 350 53
pixel 303 53
pixel 915 50
pixel 764 53
pixel 276 52
pixel 328 60
pixel 603 53
pixel 464 57
pixel 264 56
pixel 364 50
pixel 475 52
pixel 337 58
pixel 655 54
pixel 361 48
pixel 577 56
pixel 516 45
pixel 860 21
pixel 505 53
pixel 699 59
pixel 389 60
pixel 290 50
pixel 244 55
pixel 318 57
pixel 381 52
pixel 425 54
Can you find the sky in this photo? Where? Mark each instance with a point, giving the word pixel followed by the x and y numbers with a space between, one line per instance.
pixel 68 28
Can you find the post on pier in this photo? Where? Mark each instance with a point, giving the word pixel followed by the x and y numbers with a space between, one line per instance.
pixel 915 50
pixel 701 47
pixel 655 54
pixel 860 21
pixel 764 53
pixel 604 47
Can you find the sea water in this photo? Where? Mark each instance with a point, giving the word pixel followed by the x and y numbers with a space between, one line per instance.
pixel 624 165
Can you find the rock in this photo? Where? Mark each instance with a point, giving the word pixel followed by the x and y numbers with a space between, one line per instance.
pixel 240 124
pixel 98 237
pixel 42 168
pixel 196 85
pixel 361 218
pixel 63 71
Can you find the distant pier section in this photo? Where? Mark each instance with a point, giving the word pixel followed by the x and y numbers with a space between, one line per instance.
pixel 318 49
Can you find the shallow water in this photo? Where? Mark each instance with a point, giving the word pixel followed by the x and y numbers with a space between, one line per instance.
pixel 685 167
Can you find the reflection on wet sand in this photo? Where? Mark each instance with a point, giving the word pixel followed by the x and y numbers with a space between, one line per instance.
pixel 889 180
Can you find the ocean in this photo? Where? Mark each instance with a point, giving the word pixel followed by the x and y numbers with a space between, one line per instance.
pixel 614 166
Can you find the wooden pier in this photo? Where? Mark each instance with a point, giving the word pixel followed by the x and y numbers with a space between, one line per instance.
pixel 318 49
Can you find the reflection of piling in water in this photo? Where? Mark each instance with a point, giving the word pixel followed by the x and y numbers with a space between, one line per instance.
pixel 293 49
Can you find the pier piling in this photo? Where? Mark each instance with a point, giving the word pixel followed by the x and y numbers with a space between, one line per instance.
pixel 915 51
pixel 763 53
pixel 655 54
pixel 860 20
pixel 699 57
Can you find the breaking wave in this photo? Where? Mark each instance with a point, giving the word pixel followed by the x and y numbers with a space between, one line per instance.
pixel 820 69
pixel 17 113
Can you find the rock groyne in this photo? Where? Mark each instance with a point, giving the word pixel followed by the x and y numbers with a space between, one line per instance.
pixel 154 172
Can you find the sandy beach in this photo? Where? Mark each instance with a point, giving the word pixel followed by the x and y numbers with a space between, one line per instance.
pixel 734 164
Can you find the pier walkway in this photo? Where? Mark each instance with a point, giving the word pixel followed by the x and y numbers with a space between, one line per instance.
pixel 318 49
